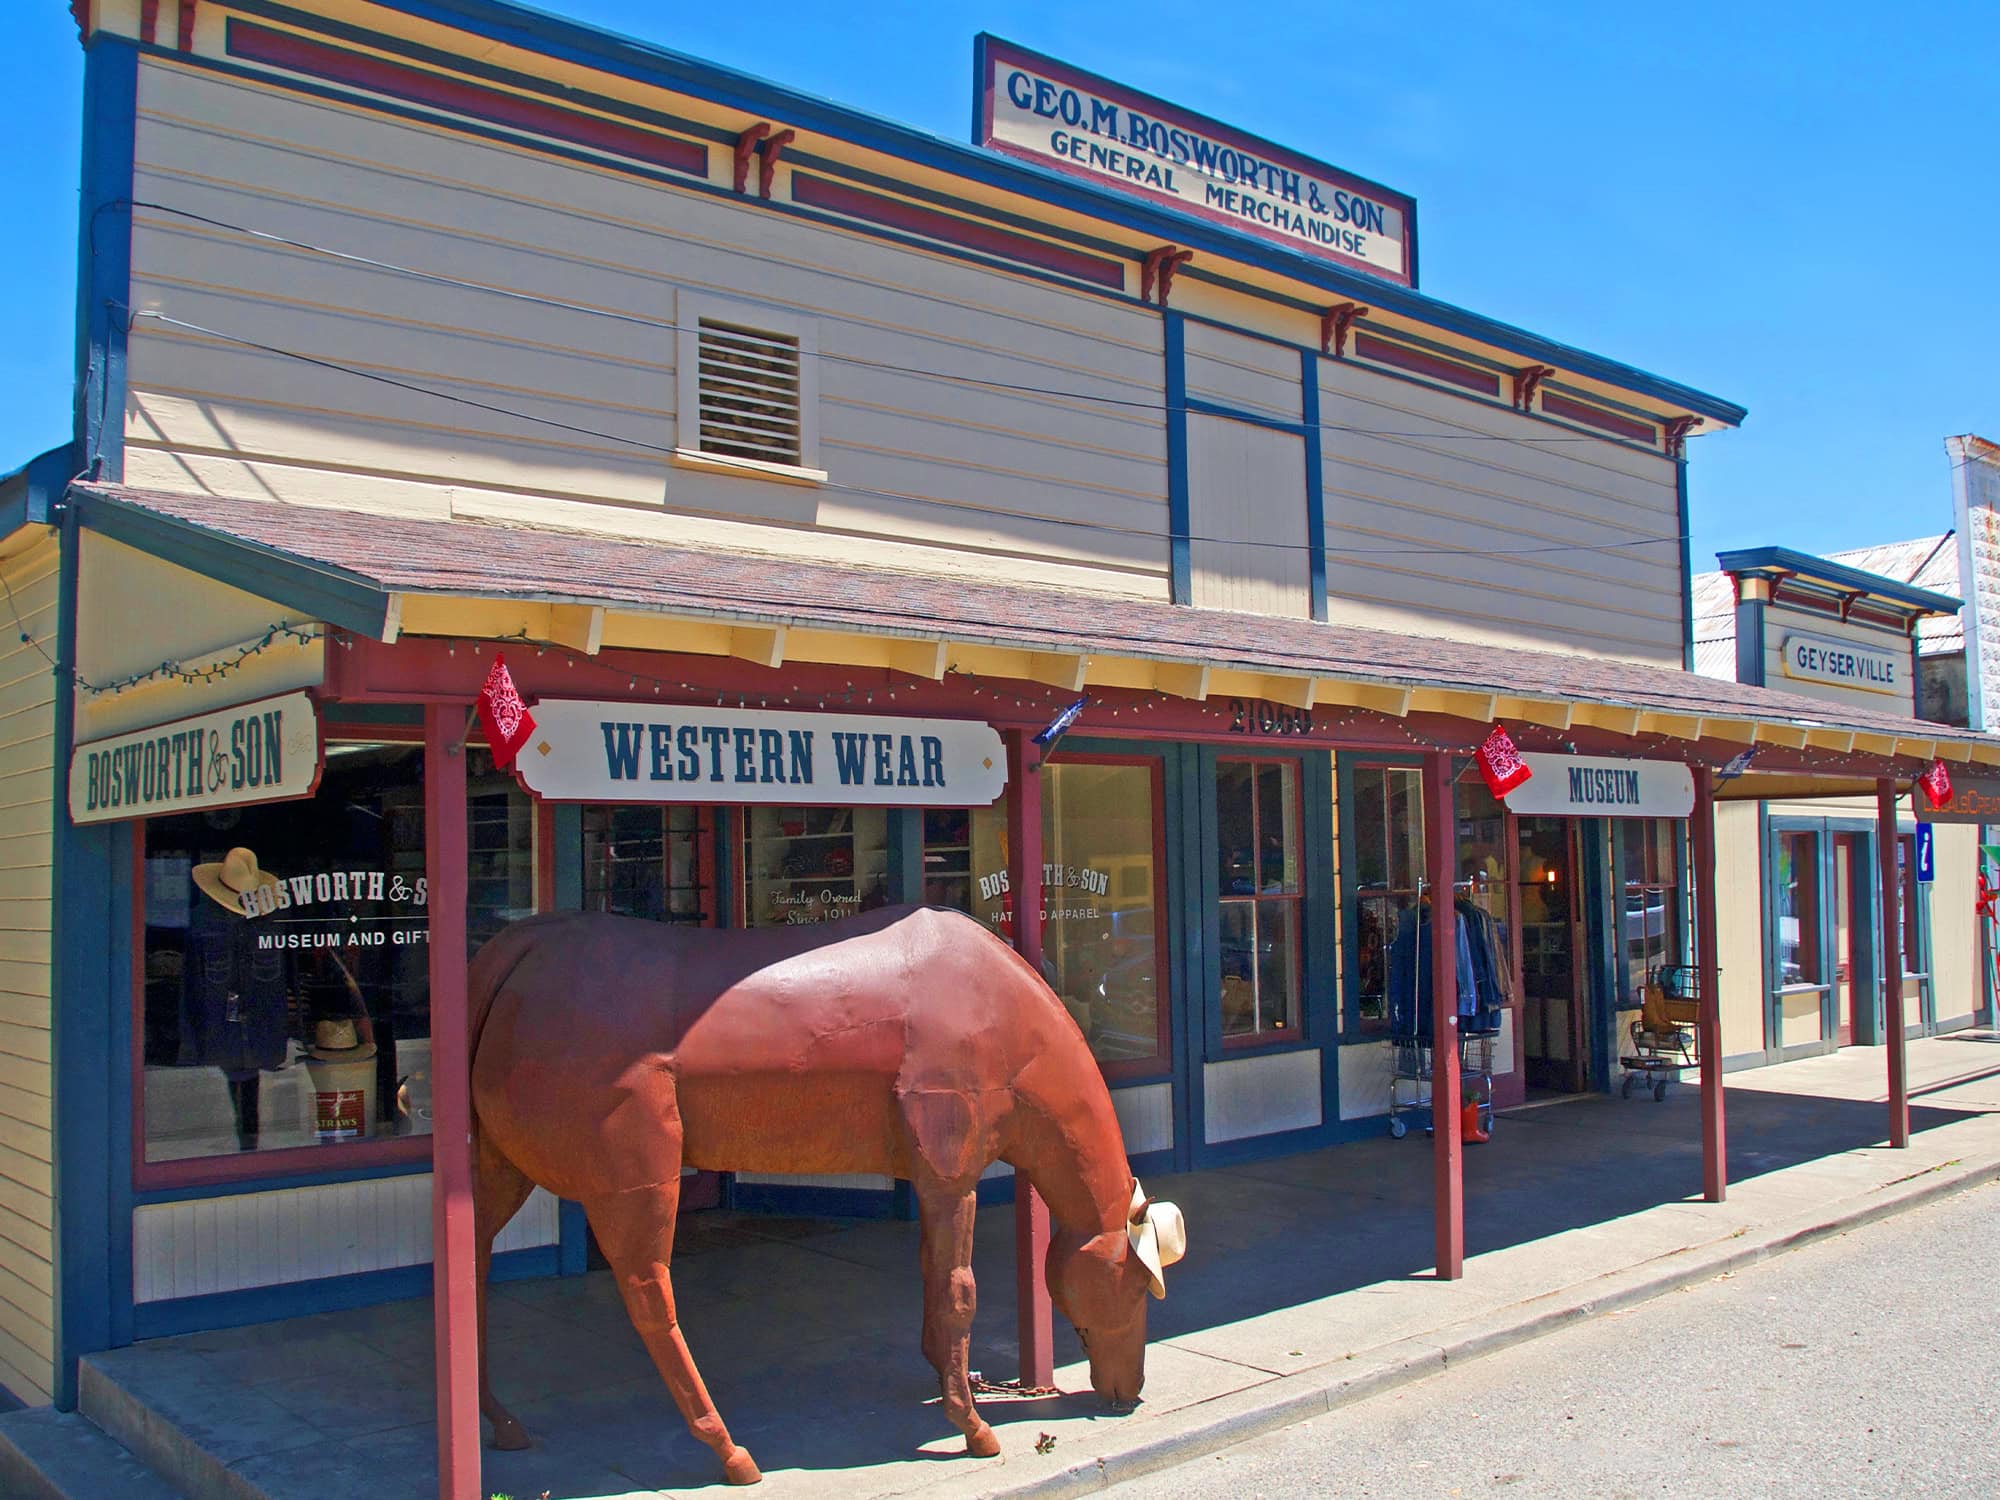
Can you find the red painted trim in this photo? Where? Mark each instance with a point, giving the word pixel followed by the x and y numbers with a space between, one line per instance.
pixel 79 11
pixel 455 1295
pixel 896 213
pixel 1035 1321
pixel 545 856
pixel 767 166
pixel 149 20
pixel 284 49
pixel 1892 962
pixel 1421 362
pixel 1596 416
pixel 1708 972
pixel 1296 898
pixel 1448 1151
pixel 206 1171
pixel 186 37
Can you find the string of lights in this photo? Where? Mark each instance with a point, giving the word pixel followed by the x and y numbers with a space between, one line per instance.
pixel 223 664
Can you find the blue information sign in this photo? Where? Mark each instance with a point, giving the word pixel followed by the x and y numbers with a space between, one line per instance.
pixel 1926 862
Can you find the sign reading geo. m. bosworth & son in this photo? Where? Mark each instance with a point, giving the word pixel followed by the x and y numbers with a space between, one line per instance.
pixel 632 752
pixel 1592 786
pixel 265 751
pixel 1046 112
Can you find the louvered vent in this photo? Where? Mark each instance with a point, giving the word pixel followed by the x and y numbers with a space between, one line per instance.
pixel 749 393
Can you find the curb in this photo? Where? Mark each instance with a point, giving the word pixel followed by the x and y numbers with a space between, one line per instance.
pixel 1284 1400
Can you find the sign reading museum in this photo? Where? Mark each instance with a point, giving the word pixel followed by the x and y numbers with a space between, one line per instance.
pixel 627 752
pixel 1046 112
pixel 1590 786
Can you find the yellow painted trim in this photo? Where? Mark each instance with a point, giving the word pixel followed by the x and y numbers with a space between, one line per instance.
pixel 762 644
pixel 1606 716
pixel 1752 588
pixel 577 626
pixel 1874 744
pixel 1183 681
pixel 1673 726
pixel 1293 692
pixel 1738 731
pixel 921 658
pixel 1986 753
pixel 1393 701
pixel 1789 735
pixel 392 619
pixel 1957 750
pixel 1460 705
pixel 1839 740
pixel 1543 711
pixel 667 633
pixel 1058 669
pixel 1920 748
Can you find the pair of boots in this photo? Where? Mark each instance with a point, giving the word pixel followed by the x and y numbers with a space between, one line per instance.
pixel 1469 1126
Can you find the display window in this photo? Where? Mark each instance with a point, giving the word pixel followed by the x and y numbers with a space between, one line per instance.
pixel 649 861
pixel 1798 909
pixel 813 864
pixel 1259 887
pixel 1647 851
pixel 284 986
pixel 1386 814
pixel 1103 898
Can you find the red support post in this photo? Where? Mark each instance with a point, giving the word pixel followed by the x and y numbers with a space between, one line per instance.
pixel 1892 962
pixel 1708 983
pixel 1031 1214
pixel 1448 1150
pixel 454 1288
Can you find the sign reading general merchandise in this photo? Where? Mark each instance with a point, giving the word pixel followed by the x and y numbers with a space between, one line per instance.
pixel 1046 112
pixel 1814 658
pixel 1586 786
pixel 626 752
pixel 266 751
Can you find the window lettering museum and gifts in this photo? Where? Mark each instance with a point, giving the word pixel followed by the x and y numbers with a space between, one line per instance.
pixel 806 470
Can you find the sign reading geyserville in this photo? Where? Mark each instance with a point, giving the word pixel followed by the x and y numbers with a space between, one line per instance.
pixel 1866 669
pixel 630 752
pixel 1054 115
pixel 1592 786
pixel 265 751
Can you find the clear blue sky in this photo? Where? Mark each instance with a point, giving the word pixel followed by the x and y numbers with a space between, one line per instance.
pixel 1794 207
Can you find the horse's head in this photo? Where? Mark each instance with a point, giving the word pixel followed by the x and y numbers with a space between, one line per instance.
pixel 1100 1283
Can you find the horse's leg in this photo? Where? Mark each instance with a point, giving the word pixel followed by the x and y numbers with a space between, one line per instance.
pixel 944 1216
pixel 499 1188
pixel 635 1230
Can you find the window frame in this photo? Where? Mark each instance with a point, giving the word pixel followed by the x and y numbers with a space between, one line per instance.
pixel 1297 897
pixel 690 309
pixel 1354 1027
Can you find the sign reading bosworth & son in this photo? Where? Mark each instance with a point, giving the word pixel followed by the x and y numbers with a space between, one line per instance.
pixel 256 752
pixel 630 752
pixel 1046 112
pixel 1587 786
pixel 1814 658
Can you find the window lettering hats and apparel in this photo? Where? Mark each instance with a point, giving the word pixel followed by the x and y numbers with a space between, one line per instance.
pixel 1158 1234
pixel 508 723
pixel 226 881
pixel 1500 763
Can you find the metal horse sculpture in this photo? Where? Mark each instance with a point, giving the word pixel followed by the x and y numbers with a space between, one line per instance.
pixel 609 1053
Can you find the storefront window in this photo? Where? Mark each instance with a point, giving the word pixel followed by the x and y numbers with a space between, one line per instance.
pixel 1906 902
pixel 1798 909
pixel 1388 819
pixel 1649 874
pixel 813 864
pixel 651 862
pixel 1257 850
pixel 286 956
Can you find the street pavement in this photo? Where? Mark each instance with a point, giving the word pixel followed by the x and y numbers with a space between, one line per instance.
pixel 1866 1364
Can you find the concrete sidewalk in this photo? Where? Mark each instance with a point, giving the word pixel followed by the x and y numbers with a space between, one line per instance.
pixel 1307 1283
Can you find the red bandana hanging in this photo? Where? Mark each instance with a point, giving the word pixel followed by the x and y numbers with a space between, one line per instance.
pixel 508 723
pixel 1936 783
pixel 1987 899
pixel 1500 763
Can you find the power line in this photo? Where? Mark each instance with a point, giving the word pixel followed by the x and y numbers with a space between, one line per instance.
pixel 837 486
pixel 437 278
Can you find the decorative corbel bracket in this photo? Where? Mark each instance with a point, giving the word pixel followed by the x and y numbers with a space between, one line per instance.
pixel 188 8
pixel 1527 380
pixel 1674 435
pixel 1158 270
pixel 767 169
pixel 1334 324
pixel 745 144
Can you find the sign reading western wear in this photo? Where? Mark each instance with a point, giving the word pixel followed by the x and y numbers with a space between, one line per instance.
pixel 1046 112
pixel 256 752
pixel 1814 658
pixel 630 752
pixel 1585 786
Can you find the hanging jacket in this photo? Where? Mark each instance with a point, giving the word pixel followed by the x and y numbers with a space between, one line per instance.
pixel 1410 978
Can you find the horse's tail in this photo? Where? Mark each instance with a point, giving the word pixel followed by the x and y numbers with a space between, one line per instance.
pixel 495 963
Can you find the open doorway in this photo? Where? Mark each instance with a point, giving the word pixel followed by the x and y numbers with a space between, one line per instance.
pixel 1552 1038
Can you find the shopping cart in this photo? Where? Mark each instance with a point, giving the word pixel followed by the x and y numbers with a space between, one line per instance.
pixel 1666 1037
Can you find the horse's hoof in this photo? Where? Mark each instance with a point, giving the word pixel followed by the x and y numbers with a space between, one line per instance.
pixel 981 1443
pixel 741 1468
pixel 510 1436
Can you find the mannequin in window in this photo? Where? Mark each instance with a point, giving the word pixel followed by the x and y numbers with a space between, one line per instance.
pixel 233 992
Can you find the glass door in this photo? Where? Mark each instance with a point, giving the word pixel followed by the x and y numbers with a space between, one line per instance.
pixel 1850 920
pixel 1551 1015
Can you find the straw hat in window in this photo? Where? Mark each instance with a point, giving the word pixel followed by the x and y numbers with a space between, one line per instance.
pixel 339 1040
pixel 226 881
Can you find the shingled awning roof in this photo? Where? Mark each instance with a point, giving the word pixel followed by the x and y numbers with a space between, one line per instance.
pixel 370 573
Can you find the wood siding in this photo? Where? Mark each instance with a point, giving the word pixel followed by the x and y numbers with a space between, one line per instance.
pixel 970 419
pixel 1446 517
pixel 1781 622
pixel 228 1244
pixel 27 737
pixel 1247 516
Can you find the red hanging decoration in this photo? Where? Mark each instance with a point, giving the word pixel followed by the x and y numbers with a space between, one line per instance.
pixel 1936 783
pixel 1987 899
pixel 508 723
pixel 1500 763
